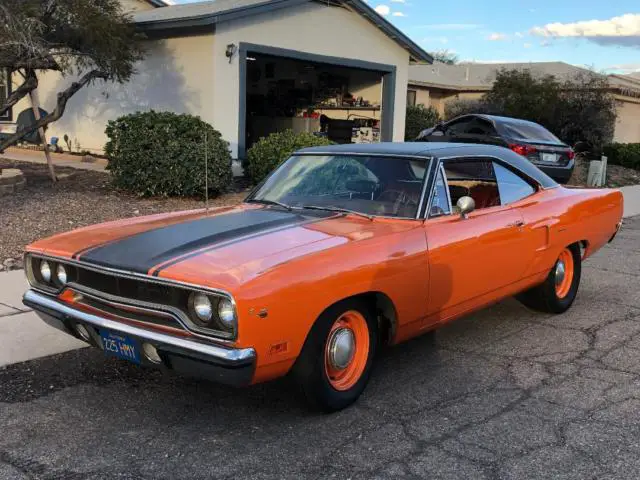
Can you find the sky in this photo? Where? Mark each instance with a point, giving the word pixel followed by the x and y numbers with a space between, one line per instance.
pixel 601 34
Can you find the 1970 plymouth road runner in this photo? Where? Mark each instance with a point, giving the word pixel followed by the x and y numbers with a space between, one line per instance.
pixel 341 250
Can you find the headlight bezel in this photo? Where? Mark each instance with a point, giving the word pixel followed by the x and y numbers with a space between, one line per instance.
pixel 215 324
pixel 34 275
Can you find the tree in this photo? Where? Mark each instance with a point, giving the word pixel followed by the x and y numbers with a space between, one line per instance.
pixel 445 56
pixel 578 109
pixel 92 41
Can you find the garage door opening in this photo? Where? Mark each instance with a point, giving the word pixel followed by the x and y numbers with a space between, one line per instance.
pixel 341 102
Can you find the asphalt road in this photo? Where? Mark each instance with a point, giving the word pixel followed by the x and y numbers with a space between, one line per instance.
pixel 504 393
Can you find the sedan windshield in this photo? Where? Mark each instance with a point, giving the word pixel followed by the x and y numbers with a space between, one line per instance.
pixel 368 185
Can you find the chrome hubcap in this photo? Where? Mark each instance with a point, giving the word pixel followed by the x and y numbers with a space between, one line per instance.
pixel 342 346
pixel 560 272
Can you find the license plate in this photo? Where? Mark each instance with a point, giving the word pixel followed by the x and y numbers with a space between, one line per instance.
pixel 121 346
pixel 550 157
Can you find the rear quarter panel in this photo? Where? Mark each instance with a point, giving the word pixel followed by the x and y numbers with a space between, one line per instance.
pixel 562 216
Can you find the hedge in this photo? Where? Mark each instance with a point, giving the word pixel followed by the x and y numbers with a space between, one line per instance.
pixel 163 154
pixel 418 118
pixel 271 151
pixel 624 154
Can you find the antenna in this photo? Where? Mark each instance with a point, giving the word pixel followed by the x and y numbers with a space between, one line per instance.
pixel 206 173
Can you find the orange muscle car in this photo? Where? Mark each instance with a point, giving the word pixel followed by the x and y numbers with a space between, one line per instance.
pixel 340 251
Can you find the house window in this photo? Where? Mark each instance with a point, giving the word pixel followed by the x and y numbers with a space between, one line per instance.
pixel 5 91
pixel 411 98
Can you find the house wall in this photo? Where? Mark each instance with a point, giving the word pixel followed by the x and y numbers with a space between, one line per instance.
pixel 628 120
pixel 304 29
pixel 193 75
pixel 176 75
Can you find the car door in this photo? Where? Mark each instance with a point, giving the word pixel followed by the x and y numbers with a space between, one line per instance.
pixel 470 259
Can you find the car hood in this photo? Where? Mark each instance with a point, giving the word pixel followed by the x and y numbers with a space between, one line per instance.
pixel 218 248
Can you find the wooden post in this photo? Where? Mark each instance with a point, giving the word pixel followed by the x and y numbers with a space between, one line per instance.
pixel 35 106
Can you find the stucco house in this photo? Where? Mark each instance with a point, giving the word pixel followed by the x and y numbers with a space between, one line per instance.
pixel 435 85
pixel 249 67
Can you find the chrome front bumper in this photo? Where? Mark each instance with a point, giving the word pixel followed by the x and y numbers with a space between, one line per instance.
pixel 232 366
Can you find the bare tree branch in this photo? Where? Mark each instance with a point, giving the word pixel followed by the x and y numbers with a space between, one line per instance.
pixel 30 84
pixel 61 105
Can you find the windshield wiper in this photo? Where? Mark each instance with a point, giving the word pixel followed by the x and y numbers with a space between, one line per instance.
pixel 336 209
pixel 271 202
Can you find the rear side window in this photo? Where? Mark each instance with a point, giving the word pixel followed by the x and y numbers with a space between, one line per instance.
pixel 512 188
pixel 531 132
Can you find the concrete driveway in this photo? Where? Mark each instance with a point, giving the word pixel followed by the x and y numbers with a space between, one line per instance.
pixel 504 393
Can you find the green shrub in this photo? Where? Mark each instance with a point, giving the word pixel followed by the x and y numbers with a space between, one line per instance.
pixel 418 118
pixel 271 151
pixel 624 154
pixel 163 153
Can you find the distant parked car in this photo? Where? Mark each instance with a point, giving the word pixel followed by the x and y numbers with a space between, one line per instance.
pixel 533 141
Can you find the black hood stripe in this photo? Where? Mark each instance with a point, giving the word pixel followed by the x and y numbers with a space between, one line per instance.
pixel 222 244
pixel 143 251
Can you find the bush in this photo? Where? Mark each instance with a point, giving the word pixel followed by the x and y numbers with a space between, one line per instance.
pixel 455 108
pixel 271 151
pixel 418 118
pixel 624 154
pixel 163 153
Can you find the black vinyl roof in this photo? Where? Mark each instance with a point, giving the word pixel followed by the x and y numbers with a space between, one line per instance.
pixel 438 150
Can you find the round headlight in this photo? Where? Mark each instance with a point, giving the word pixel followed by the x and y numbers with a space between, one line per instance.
pixel 226 313
pixel 61 273
pixel 202 307
pixel 45 271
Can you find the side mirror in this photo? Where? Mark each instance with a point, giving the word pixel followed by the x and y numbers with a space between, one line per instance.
pixel 466 205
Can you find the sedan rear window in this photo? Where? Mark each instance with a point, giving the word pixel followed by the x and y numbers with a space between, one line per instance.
pixel 531 132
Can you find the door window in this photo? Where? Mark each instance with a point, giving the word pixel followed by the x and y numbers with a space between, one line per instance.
pixel 473 178
pixel 458 127
pixel 512 187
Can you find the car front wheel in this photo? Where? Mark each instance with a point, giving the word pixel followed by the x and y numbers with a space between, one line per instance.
pixel 335 363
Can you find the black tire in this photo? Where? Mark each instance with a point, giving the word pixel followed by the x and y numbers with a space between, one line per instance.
pixel 544 298
pixel 309 370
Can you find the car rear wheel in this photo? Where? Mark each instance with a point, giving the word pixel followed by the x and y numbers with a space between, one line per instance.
pixel 560 288
pixel 335 363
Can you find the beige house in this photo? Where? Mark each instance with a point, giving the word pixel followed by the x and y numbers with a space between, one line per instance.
pixel 249 67
pixel 435 85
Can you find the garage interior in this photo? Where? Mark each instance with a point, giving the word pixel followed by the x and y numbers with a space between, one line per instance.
pixel 341 103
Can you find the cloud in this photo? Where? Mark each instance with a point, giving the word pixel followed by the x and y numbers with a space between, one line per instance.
pixel 450 26
pixel 383 10
pixel 623 30
pixel 527 45
pixel 518 34
pixel 398 14
pixel 398 1
pixel 496 37
pixel 623 68
pixel 430 40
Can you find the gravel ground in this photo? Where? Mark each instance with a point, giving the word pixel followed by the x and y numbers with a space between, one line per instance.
pixel 85 198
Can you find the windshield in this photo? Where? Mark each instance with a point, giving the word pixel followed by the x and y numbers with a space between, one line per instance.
pixel 370 185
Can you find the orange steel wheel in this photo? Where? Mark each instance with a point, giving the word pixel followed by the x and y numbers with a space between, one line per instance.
pixel 564 273
pixel 347 350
